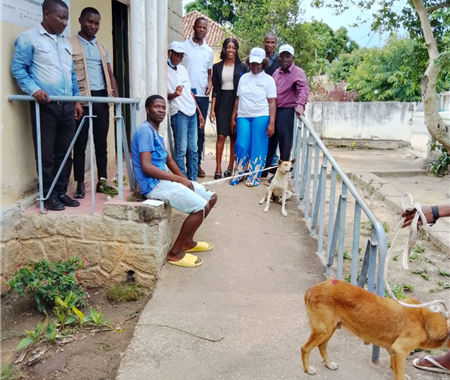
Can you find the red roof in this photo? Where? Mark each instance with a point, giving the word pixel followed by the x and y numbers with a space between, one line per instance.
pixel 216 32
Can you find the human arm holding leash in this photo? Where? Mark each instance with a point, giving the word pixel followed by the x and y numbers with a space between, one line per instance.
pixel 431 213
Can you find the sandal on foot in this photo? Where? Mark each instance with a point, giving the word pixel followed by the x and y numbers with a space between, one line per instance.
pixel 202 246
pixel 227 173
pixel 437 367
pixel 217 175
pixel 188 261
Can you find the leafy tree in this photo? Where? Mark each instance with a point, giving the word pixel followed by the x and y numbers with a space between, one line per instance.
pixel 221 11
pixel 389 73
pixel 426 20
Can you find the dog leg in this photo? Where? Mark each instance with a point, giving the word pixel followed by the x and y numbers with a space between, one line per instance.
pixel 314 340
pixel 283 204
pixel 398 360
pixel 264 198
pixel 324 353
pixel 268 196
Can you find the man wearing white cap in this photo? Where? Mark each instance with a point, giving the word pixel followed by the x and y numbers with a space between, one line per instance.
pixel 292 95
pixel 183 108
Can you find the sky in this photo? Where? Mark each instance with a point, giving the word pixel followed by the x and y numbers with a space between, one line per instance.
pixel 361 34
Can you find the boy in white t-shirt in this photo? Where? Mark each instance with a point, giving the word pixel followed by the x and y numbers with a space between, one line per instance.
pixel 255 108
pixel 183 108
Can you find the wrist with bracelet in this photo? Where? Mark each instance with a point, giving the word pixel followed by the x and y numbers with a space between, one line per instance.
pixel 435 211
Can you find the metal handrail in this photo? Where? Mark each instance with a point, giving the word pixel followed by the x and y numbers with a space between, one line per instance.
pixel 307 144
pixel 121 143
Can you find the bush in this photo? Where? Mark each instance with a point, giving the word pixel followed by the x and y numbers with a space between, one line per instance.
pixel 338 94
pixel 44 281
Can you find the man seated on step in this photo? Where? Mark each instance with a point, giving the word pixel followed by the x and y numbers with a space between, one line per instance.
pixel 150 157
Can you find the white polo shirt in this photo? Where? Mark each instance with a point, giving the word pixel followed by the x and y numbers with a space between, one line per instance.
pixel 184 103
pixel 198 60
pixel 253 91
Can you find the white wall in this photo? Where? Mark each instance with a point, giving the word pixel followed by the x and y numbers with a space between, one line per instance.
pixel 373 121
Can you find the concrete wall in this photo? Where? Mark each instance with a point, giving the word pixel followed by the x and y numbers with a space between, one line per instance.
pixel 174 19
pixel 127 237
pixel 358 121
pixel 18 168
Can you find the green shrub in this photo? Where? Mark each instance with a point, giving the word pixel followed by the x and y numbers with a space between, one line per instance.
pixel 44 281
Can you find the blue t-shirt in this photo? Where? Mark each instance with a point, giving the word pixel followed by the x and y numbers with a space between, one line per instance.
pixel 146 139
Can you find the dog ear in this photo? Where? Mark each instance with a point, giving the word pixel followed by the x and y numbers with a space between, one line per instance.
pixel 293 161
pixel 279 162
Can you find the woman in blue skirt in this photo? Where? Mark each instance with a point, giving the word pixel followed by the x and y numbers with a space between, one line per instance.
pixel 255 108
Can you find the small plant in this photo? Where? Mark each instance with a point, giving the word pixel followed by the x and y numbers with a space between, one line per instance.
pixel 443 272
pixel 395 258
pixel 370 189
pixel 338 178
pixel 427 260
pixel 386 229
pixel 44 281
pixel 422 272
pixel 115 181
pixel 126 292
pixel 96 318
pixel 51 331
pixel 367 226
pixel 407 287
pixel 348 278
pixel 31 337
pixel 397 289
pixel 418 248
pixel 347 256
pixel 443 285
pixel 352 146
pixel 413 257
pixel 10 373
pixel 440 167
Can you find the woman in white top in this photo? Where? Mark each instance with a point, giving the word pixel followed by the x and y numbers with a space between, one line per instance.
pixel 225 79
pixel 255 108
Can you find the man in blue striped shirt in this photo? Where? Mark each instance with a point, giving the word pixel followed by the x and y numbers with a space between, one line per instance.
pixel 42 65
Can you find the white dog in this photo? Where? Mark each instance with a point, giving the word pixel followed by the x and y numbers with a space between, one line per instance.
pixel 278 187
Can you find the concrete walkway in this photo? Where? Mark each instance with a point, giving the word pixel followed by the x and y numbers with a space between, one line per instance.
pixel 250 292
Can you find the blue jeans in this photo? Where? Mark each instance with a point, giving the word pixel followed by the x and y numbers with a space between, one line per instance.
pixel 203 104
pixel 185 136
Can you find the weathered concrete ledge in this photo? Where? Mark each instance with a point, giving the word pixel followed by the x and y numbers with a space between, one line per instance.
pixel 129 239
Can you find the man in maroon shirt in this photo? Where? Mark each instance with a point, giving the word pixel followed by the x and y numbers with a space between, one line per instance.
pixel 292 95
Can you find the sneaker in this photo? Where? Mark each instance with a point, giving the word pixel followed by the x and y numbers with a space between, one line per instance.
pixel 67 201
pixel 105 188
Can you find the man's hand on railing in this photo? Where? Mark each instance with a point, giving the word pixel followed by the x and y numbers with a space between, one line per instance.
pixel 41 97
pixel 299 110
pixel 78 110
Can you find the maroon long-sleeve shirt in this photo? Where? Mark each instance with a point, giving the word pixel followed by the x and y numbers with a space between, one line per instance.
pixel 292 87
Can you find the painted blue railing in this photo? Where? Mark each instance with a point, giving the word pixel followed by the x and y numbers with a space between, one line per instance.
pixel 315 177
pixel 121 143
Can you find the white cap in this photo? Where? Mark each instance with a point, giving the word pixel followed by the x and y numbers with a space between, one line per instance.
pixel 257 55
pixel 287 48
pixel 177 46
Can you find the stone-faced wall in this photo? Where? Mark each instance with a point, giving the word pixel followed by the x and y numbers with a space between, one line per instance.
pixel 128 239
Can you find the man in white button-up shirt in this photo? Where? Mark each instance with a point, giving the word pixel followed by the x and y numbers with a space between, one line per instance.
pixel 199 62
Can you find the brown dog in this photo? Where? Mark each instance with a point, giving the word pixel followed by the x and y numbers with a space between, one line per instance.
pixel 377 320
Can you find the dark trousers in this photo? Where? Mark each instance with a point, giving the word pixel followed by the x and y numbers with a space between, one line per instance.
pixel 57 126
pixel 282 136
pixel 100 132
pixel 203 104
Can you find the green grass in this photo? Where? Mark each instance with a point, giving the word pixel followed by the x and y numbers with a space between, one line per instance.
pixel 126 292
pixel 10 373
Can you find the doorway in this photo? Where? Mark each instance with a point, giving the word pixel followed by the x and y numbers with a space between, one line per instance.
pixel 121 58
